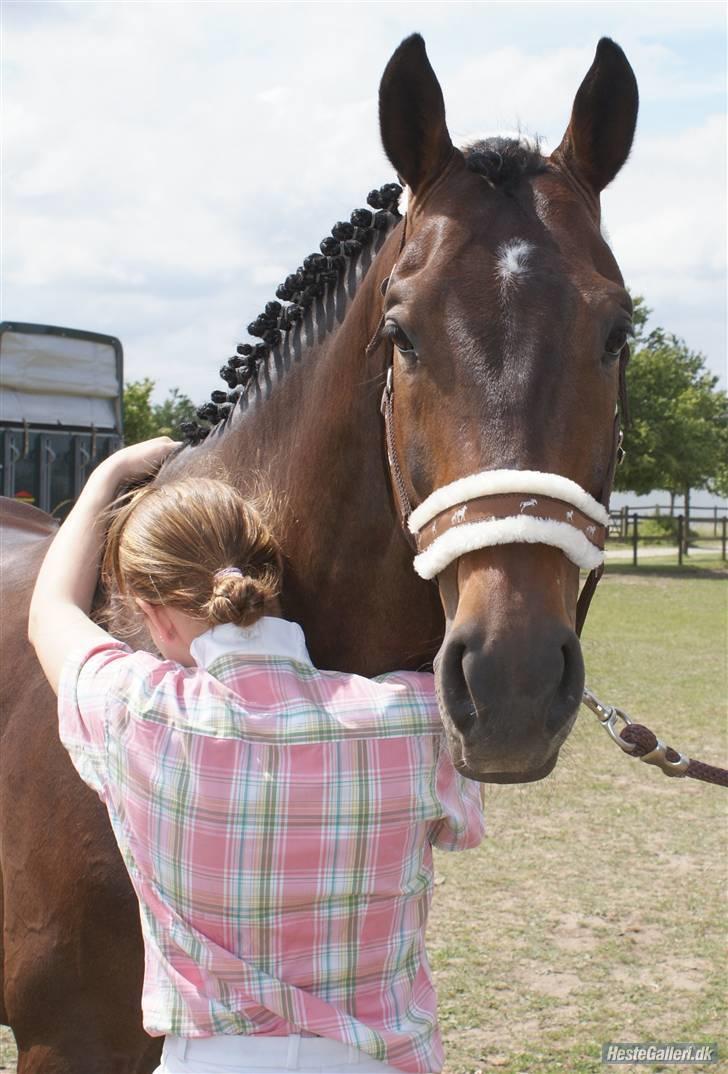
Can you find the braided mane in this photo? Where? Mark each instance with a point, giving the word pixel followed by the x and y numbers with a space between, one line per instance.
pixel 293 297
pixel 502 162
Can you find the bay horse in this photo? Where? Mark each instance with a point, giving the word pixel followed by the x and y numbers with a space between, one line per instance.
pixel 495 319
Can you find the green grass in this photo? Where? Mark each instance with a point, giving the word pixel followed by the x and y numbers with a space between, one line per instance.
pixel 595 909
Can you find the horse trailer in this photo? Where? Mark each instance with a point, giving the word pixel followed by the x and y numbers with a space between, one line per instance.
pixel 61 410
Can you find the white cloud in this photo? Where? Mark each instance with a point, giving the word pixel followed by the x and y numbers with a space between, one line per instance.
pixel 667 221
pixel 681 206
pixel 166 164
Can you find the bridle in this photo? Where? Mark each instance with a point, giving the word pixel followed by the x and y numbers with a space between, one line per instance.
pixel 502 506
pixel 516 506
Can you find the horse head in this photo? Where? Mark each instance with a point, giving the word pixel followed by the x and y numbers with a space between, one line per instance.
pixel 509 320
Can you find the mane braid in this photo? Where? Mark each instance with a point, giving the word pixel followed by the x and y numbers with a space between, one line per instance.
pixel 293 297
pixel 502 162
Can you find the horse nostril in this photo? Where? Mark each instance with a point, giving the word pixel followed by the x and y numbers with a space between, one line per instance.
pixel 568 694
pixel 453 687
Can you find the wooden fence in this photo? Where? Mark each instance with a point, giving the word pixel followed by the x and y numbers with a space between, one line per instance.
pixel 620 518
pixel 626 527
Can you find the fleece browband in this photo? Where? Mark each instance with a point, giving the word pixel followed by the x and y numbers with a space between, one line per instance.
pixel 507 507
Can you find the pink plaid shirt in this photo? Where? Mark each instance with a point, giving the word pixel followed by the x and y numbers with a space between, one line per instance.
pixel 277 823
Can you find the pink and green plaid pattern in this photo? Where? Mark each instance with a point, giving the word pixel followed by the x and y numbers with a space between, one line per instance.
pixel 277 822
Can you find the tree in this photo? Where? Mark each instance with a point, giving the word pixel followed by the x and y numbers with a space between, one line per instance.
pixel 143 420
pixel 138 420
pixel 678 436
pixel 169 415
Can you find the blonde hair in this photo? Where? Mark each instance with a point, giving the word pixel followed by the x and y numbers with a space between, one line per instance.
pixel 171 544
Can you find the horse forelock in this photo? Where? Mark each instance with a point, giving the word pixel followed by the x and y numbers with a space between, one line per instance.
pixel 503 161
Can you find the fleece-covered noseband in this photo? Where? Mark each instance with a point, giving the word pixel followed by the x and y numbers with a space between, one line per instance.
pixel 506 507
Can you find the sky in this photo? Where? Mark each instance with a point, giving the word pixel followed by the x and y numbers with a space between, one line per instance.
pixel 166 164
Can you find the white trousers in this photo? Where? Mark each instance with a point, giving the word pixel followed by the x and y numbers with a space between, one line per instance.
pixel 266 1055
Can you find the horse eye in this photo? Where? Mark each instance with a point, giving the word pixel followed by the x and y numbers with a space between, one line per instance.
pixel 616 341
pixel 400 339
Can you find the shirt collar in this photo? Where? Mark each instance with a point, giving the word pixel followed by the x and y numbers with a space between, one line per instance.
pixel 269 636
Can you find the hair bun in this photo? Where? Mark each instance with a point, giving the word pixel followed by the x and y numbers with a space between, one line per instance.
pixel 238 598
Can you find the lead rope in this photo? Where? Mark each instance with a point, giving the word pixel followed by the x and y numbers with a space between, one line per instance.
pixel 640 742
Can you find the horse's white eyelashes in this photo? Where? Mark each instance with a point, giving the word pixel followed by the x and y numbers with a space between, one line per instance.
pixel 513 260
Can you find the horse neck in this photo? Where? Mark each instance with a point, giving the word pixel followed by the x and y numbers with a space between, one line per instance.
pixel 317 442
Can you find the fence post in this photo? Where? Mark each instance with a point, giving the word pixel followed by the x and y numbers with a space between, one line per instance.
pixel 715 521
pixel 625 523
pixel 635 539
pixel 680 538
pixel 723 536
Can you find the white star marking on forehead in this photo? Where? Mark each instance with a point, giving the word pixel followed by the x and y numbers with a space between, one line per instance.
pixel 513 260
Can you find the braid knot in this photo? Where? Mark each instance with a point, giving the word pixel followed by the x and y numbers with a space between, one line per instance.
pixel 299 290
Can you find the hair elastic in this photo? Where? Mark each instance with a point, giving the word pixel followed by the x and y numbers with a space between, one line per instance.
pixel 224 572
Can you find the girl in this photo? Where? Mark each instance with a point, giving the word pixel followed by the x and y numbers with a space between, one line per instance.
pixel 277 821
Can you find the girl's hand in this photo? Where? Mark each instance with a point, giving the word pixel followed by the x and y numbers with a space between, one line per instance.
pixel 137 460
pixel 64 591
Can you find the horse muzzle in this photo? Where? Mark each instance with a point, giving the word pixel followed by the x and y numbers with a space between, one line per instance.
pixel 508 697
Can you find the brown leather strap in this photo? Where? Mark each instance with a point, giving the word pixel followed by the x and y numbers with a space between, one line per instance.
pixel 404 507
pixel 510 505
pixel 396 477
pixel 585 597
pixel 594 577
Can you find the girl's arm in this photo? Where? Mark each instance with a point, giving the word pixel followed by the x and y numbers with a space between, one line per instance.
pixel 59 610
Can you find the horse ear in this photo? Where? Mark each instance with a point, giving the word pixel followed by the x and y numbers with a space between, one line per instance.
pixel 412 116
pixel 599 136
